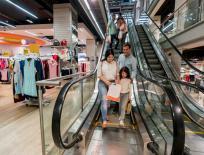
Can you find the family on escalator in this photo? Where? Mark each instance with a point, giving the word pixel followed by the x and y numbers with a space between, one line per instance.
pixel 121 73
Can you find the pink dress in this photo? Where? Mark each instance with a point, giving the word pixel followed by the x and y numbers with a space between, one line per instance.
pixel 52 68
pixel 4 75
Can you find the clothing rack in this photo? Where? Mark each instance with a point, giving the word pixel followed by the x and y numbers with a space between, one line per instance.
pixel 34 67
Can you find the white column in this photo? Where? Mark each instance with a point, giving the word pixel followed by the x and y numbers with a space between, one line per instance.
pixel 62 14
pixel 91 48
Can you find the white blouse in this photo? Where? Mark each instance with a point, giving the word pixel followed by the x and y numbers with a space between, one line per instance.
pixel 108 70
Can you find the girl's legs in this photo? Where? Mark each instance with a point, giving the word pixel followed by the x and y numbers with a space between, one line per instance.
pixel 123 103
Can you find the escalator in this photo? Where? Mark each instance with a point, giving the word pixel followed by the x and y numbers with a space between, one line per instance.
pixel 78 130
pixel 158 67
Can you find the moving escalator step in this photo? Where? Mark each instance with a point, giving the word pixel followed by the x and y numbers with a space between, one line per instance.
pixel 146 45
pixel 153 61
pixel 143 37
pixel 155 66
pixel 149 51
pixel 151 56
pixel 140 34
pixel 148 48
pixel 144 40
pixel 160 72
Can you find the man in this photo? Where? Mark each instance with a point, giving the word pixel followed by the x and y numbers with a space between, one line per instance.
pixel 128 60
pixel 112 30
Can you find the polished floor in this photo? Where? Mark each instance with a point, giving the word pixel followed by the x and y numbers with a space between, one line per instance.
pixel 19 126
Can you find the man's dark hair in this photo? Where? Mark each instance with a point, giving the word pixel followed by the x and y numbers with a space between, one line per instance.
pixel 127 44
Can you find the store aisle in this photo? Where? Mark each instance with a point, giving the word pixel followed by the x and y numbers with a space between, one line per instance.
pixel 19 125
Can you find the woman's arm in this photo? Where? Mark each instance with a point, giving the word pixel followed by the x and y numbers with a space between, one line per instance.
pixel 102 78
pixel 100 75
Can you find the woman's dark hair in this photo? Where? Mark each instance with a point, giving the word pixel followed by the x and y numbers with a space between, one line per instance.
pixel 126 70
pixel 109 52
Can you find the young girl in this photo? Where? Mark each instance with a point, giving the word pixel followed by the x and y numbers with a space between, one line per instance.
pixel 125 94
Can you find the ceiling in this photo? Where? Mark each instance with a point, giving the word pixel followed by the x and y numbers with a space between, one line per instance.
pixel 42 12
pixel 41 31
pixel 117 6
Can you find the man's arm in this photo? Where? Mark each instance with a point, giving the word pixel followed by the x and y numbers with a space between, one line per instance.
pixel 134 68
pixel 120 62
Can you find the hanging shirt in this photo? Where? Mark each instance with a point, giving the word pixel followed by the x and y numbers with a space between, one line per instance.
pixel 29 85
pixel 4 75
pixel 52 68
pixel 3 63
pixel 17 79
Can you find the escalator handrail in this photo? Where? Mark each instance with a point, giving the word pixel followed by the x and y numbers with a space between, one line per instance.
pixel 176 111
pixel 175 48
pixel 57 112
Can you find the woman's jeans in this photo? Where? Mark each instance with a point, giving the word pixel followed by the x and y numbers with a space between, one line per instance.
pixel 123 104
pixel 103 89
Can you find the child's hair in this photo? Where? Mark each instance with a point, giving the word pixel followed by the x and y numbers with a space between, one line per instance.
pixel 126 70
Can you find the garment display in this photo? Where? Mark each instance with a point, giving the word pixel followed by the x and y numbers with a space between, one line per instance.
pixel 53 65
pixel 4 70
pixel 29 86
pixel 25 74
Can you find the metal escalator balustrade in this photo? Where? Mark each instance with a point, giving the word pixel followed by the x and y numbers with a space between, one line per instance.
pixel 75 124
pixel 70 109
pixel 150 104
pixel 192 109
pixel 189 100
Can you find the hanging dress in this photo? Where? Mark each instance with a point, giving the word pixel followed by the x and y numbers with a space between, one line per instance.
pixel 29 82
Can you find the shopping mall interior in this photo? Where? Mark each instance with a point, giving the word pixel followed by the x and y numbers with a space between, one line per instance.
pixel 57 97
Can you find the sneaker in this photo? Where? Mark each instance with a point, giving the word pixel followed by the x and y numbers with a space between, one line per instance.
pixel 104 124
pixel 122 123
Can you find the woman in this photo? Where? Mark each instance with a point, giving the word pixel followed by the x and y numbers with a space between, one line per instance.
pixel 107 73
pixel 123 29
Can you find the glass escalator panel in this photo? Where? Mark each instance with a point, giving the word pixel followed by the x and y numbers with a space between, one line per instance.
pixel 173 63
pixel 49 99
pixel 155 104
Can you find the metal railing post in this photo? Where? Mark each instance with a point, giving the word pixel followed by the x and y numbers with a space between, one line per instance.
pixel 41 119
pixel 82 95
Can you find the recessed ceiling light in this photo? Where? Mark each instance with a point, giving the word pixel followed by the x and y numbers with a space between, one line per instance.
pixel 24 10
pixel 7 24
pixel 29 21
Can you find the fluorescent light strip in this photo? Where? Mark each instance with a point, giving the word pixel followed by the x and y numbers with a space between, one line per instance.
pixel 87 4
pixel 31 33
pixel 29 21
pixel 24 10
pixel 167 26
pixel 1 22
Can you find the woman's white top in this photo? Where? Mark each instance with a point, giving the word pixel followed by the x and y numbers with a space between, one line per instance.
pixel 108 70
